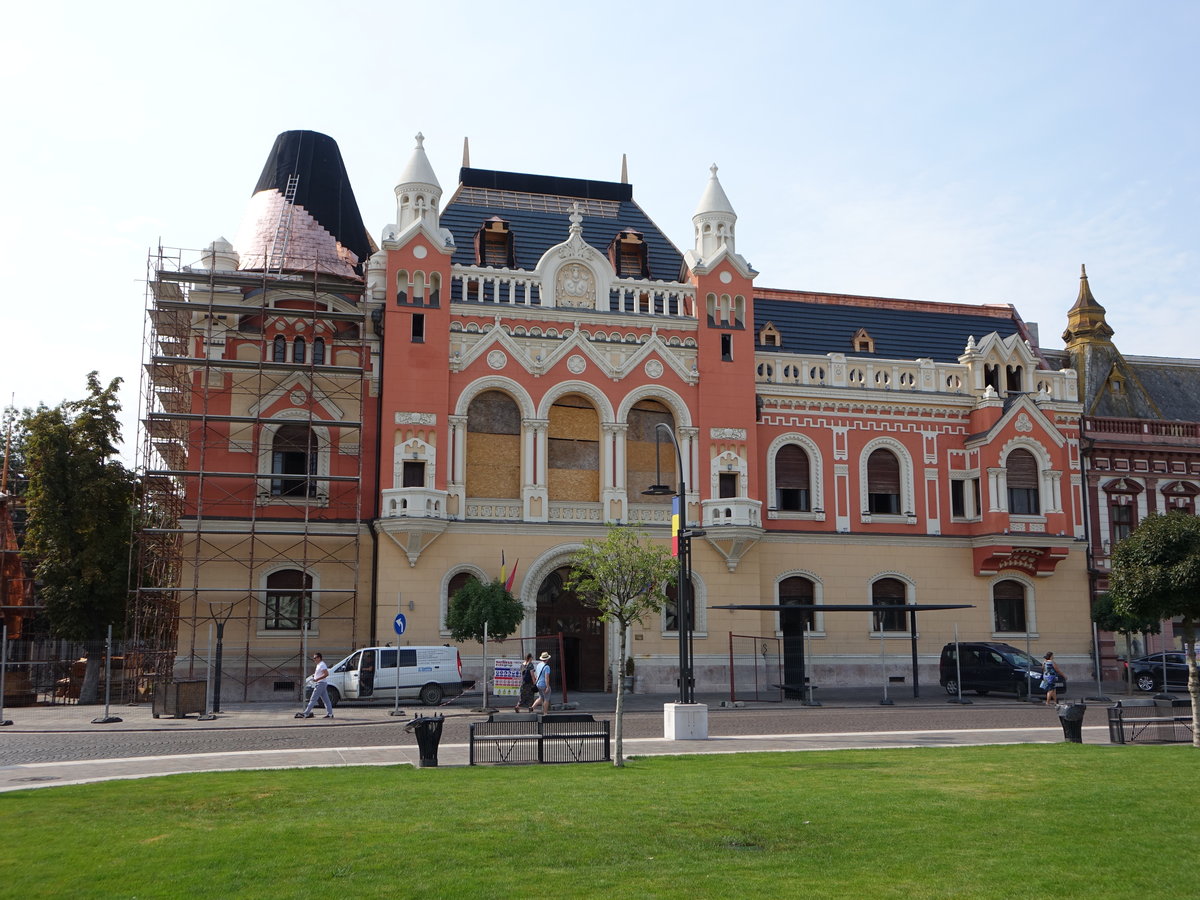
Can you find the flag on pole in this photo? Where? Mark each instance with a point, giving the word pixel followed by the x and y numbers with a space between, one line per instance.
pixel 508 583
pixel 675 501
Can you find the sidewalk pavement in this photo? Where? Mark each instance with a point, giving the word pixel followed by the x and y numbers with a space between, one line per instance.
pixel 275 715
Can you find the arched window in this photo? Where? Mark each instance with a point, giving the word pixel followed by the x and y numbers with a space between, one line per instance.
pixel 1008 605
pixel 883 483
pixel 288 601
pixel 792 490
pixel 796 590
pixel 671 608
pixel 1022 476
pixel 299 350
pixel 319 352
pixel 1181 496
pixel 888 592
pixel 279 349
pixel 293 462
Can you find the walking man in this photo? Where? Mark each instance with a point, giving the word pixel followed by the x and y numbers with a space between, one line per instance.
pixel 541 680
pixel 320 680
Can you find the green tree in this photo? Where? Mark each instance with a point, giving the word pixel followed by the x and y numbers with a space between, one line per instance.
pixel 477 603
pixel 622 578
pixel 1156 574
pixel 1107 618
pixel 80 502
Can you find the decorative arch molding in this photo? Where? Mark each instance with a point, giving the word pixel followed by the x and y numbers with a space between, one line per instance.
pixel 818 624
pixel 1050 480
pixel 495 383
pixel 907 491
pixel 679 409
pixel 584 389
pixel 816 470
pixel 575 251
pixel 444 588
pixel 554 558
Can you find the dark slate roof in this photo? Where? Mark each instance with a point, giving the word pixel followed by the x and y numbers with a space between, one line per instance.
pixel 900 329
pixel 537 230
pixel 1175 386
pixel 323 188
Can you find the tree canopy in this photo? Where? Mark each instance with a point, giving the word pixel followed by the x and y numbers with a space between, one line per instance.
pixel 622 578
pixel 476 603
pixel 1156 573
pixel 80 501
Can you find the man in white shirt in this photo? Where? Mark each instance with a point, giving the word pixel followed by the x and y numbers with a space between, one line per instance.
pixel 320 690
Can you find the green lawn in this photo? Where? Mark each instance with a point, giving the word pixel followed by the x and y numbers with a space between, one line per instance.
pixel 1057 820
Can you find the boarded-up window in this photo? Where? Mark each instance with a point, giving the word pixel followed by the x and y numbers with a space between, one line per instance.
pixel 573 450
pixel 493 446
pixel 1022 474
pixel 792 479
pixel 649 462
pixel 883 483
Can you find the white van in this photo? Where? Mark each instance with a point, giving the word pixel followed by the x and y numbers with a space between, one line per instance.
pixel 428 674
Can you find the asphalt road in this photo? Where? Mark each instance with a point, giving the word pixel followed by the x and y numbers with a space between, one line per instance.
pixel 372 727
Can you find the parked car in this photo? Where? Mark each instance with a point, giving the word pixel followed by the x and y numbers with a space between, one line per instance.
pixel 428 674
pixel 989 666
pixel 1148 671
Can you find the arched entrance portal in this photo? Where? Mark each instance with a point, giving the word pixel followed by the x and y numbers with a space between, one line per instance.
pixel 583 633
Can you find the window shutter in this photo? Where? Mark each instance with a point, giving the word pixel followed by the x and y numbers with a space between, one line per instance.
pixel 791 467
pixel 883 473
pixel 1022 470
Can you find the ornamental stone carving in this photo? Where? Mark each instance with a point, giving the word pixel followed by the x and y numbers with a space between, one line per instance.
pixel 298 398
pixel 576 286
pixel 576 364
pixel 1023 423
pixel 497 359
pixel 416 418
pixel 727 434
pixel 654 369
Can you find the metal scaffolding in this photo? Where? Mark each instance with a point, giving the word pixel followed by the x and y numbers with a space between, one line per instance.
pixel 253 396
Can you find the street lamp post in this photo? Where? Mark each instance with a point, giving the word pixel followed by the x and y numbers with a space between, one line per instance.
pixel 682 540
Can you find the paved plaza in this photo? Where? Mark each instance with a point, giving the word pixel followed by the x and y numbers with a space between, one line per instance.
pixel 63 745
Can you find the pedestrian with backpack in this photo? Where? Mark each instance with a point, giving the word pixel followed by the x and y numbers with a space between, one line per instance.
pixel 528 689
pixel 541 680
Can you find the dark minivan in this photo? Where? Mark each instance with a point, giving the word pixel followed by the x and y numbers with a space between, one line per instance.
pixel 989 666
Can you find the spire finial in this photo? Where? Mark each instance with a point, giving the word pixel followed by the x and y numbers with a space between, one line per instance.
pixel 576 218
pixel 713 170
pixel 420 141
pixel 624 169
pixel 466 153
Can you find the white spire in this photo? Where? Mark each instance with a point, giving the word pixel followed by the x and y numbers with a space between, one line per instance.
pixel 418 191
pixel 714 219
pixel 714 199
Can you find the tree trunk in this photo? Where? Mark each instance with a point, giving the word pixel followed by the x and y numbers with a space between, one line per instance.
pixel 1189 646
pixel 1129 663
pixel 618 754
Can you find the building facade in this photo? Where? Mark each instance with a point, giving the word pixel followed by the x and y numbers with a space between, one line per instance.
pixel 490 384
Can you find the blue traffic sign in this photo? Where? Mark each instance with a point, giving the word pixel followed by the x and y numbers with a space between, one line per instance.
pixel 400 624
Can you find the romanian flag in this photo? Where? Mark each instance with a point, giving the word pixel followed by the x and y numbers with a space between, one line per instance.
pixel 675 501
pixel 506 577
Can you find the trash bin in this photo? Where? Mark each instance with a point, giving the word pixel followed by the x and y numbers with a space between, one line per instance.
pixel 1072 721
pixel 428 730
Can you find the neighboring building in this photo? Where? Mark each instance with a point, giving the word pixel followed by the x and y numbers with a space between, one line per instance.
pixel 490 384
pixel 1141 440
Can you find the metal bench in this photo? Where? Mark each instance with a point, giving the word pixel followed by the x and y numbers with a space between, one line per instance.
pixel 1146 719
pixel 512 738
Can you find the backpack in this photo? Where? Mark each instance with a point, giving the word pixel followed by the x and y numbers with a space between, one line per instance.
pixel 527 675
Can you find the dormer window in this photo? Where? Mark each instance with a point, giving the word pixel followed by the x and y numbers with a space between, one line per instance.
pixel 769 336
pixel 1116 384
pixel 627 253
pixel 863 342
pixel 494 244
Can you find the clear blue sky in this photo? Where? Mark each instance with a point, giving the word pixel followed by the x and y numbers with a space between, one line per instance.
pixel 974 152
